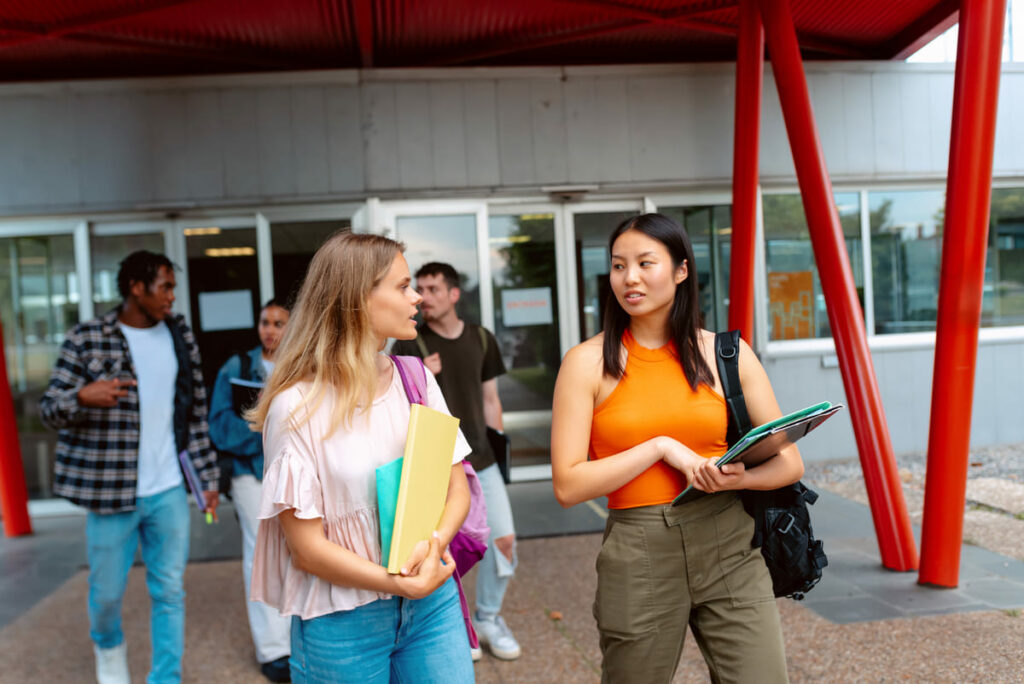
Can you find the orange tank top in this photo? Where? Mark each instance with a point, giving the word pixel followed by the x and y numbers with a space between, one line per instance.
pixel 652 399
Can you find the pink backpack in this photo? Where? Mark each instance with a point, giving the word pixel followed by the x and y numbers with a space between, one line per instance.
pixel 470 543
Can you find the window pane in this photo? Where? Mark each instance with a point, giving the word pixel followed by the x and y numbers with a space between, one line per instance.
pixel 107 251
pixel 522 254
pixel 293 244
pixel 592 264
pixel 1003 298
pixel 451 239
pixel 710 231
pixel 796 305
pixel 906 245
pixel 38 304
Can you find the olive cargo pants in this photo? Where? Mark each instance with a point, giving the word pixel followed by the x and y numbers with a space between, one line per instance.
pixel 661 568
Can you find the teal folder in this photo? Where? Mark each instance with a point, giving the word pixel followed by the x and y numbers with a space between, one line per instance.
pixel 389 477
pixel 764 441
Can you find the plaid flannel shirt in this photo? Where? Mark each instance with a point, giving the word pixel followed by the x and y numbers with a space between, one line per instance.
pixel 98 448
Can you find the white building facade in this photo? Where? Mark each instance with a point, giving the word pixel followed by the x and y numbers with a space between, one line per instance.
pixel 516 176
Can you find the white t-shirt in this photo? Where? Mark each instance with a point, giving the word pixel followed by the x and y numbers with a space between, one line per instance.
pixel 268 366
pixel 156 368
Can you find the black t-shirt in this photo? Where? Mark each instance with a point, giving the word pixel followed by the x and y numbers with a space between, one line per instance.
pixel 465 366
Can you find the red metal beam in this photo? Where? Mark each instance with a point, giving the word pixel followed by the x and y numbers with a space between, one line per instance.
pixel 243 55
pixel 654 17
pixel 746 136
pixel 362 20
pixel 34 34
pixel 885 494
pixel 684 18
pixel 13 493
pixel 964 242
pixel 922 31
pixel 591 31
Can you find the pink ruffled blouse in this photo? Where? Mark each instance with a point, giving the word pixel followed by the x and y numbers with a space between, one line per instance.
pixel 331 478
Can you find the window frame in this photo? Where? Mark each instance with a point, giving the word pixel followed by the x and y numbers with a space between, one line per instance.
pixel 825 346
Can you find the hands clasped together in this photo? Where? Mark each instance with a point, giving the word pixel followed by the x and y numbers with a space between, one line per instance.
pixel 702 472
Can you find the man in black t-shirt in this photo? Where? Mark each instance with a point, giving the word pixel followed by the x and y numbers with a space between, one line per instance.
pixel 467 362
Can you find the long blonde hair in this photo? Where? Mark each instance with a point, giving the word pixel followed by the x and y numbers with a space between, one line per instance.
pixel 329 341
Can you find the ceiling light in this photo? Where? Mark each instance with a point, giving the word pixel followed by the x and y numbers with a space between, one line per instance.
pixel 230 251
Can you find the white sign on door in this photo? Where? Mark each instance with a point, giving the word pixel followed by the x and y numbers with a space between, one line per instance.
pixel 225 310
pixel 526 306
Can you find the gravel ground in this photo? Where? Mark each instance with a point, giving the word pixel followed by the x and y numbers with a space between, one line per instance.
pixel 992 520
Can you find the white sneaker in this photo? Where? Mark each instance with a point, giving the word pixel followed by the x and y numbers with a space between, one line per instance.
pixel 495 634
pixel 112 664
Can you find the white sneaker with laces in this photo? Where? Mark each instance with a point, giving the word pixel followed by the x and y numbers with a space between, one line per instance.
pixel 112 664
pixel 495 634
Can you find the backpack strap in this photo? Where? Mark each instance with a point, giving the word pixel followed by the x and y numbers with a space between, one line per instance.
pixel 414 377
pixel 727 354
pixel 246 365
pixel 421 345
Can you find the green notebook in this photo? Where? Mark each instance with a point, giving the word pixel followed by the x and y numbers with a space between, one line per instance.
pixel 764 441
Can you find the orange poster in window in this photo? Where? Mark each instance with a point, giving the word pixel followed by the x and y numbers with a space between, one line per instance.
pixel 791 304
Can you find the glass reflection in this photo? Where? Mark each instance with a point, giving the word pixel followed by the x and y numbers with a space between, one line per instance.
pixel 796 304
pixel 38 305
pixel 451 239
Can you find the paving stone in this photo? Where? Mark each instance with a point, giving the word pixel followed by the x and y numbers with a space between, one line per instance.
pixel 998 493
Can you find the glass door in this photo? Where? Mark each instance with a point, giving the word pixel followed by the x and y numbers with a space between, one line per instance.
pixel 288 238
pixel 109 243
pixel 529 325
pixel 708 221
pixel 39 302
pixel 449 231
pixel 591 224
pixel 221 289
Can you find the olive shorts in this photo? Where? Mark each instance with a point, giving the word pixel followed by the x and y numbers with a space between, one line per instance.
pixel 661 568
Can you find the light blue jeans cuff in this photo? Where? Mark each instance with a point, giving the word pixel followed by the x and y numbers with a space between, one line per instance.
pixel 495 570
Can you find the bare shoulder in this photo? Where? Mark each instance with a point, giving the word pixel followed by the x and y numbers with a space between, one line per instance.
pixel 585 359
pixel 707 339
pixel 747 355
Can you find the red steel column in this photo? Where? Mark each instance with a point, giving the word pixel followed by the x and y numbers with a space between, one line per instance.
pixel 13 492
pixel 885 494
pixel 746 136
pixel 965 236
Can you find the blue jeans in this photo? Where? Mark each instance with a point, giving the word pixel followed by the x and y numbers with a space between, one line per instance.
pixel 161 524
pixel 394 640
pixel 494 571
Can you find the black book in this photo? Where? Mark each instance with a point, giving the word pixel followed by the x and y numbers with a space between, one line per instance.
pixel 501 445
pixel 244 394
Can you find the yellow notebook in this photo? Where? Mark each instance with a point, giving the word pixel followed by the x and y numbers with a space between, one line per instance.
pixel 426 470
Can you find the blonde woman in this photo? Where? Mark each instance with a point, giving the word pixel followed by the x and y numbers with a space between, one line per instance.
pixel 333 411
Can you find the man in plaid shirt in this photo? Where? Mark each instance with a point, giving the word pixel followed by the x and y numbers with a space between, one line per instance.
pixel 127 396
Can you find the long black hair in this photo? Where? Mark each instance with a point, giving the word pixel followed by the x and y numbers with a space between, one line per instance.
pixel 684 319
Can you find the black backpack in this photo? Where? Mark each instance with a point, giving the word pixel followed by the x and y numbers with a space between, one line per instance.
pixel 782 523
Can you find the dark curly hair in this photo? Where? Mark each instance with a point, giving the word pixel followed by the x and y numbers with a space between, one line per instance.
pixel 141 266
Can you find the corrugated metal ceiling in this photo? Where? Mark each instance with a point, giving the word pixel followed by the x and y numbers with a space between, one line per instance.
pixel 68 39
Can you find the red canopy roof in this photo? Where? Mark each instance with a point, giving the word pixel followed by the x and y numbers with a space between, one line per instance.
pixel 67 39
